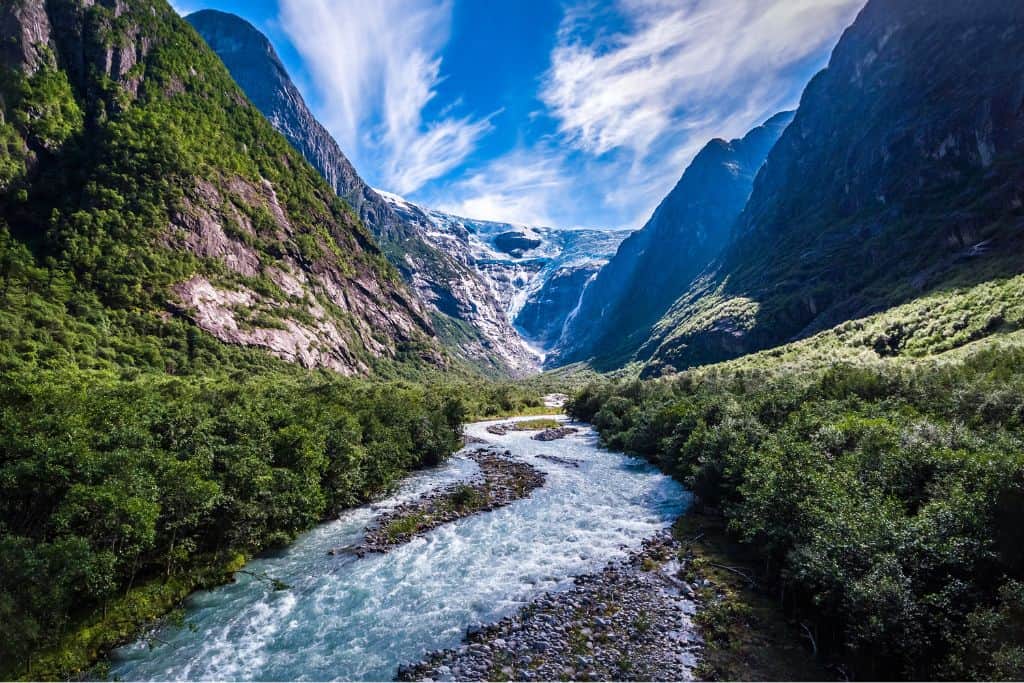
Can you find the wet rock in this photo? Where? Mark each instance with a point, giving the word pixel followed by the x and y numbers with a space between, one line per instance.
pixel 568 462
pixel 622 623
pixel 500 429
pixel 554 433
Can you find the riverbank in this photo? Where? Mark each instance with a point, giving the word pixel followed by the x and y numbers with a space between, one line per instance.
pixel 683 607
pixel 360 618
pixel 629 621
pixel 747 636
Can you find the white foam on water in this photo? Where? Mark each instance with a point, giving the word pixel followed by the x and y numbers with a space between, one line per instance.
pixel 349 618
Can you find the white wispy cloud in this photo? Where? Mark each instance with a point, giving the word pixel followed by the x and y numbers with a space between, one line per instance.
pixel 182 8
pixel 526 186
pixel 683 67
pixel 632 107
pixel 376 66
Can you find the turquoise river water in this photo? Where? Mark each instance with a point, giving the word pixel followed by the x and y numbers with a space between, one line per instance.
pixel 359 618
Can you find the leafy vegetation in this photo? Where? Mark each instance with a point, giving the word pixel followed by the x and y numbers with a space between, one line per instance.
pixel 140 458
pixel 107 482
pixel 404 526
pixel 540 423
pixel 884 499
pixel 466 497
pixel 746 636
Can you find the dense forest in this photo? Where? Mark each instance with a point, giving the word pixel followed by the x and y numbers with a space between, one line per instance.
pixel 109 482
pixel 142 458
pixel 884 499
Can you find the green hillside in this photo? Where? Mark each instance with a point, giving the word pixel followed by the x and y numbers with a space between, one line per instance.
pixel 168 265
pixel 898 178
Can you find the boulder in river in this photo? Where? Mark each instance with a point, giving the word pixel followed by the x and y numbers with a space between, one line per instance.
pixel 555 433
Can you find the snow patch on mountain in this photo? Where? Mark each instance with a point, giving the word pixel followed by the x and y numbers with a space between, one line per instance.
pixel 537 274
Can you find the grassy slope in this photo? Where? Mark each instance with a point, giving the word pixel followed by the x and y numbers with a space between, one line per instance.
pixel 940 326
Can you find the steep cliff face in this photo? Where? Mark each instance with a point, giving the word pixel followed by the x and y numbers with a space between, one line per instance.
pixel 656 263
pixel 467 320
pixel 900 174
pixel 133 161
pixel 543 316
pixel 536 274
pixel 255 66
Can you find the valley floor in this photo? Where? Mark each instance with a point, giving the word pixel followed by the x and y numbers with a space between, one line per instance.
pixel 358 617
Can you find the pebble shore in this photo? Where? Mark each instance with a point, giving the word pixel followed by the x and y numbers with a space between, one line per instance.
pixel 631 621
pixel 504 480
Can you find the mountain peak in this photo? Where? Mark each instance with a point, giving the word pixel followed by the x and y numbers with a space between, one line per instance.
pixel 228 20
pixel 899 174
pixel 135 163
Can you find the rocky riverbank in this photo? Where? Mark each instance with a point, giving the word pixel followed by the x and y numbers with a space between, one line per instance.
pixel 631 621
pixel 504 481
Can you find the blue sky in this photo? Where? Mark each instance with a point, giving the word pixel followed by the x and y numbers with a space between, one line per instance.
pixel 571 113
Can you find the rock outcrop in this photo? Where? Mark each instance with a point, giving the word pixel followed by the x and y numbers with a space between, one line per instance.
pixel 466 316
pixel 26 27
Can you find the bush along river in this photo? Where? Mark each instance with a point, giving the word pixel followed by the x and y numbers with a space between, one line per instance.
pixel 557 542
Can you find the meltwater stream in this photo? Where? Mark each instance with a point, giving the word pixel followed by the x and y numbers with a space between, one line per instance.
pixel 350 618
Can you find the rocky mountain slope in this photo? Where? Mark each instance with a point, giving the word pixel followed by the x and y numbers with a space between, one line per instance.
pixel 466 315
pixel 657 263
pixel 901 174
pixel 537 274
pixel 135 168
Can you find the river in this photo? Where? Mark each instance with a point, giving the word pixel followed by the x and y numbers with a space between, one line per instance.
pixel 359 618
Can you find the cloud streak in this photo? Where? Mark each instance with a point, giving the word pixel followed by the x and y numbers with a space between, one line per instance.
pixel 632 107
pixel 524 186
pixel 683 68
pixel 633 90
pixel 375 67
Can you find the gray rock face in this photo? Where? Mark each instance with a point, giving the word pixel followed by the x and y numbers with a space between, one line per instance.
pixel 656 264
pixel 542 318
pixel 467 318
pixel 28 28
pixel 900 174
pixel 378 318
